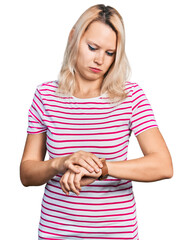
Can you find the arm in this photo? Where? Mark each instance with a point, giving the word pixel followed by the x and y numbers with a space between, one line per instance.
pixel 155 165
pixel 35 171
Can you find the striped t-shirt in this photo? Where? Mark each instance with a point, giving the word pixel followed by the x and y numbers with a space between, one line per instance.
pixel 104 209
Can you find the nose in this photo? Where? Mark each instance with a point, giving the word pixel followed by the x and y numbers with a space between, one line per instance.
pixel 99 58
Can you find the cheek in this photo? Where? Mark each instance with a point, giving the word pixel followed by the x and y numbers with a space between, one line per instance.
pixel 109 62
pixel 85 55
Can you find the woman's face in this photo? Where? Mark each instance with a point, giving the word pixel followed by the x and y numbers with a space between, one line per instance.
pixel 96 52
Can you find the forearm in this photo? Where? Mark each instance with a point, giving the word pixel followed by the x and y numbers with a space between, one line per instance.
pixel 36 173
pixel 151 167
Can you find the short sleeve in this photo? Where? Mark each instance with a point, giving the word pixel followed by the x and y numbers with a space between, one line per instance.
pixel 36 115
pixel 142 114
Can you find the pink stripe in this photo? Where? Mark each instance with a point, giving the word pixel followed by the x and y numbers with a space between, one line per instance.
pixel 145 128
pixel 144 105
pixel 84 197
pixel 137 105
pixel 50 85
pixel 143 123
pixel 32 121
pixel 87 113
pixel 111 238
pixel 82 147
pixel 111 179
pixel 38 96
pixel 142 95
pixel 75 103
pixel 62 148
pixel 95 216
pixel 82 103
pixel 38 107
pixel 92 204
pixel 89 129
pixel 30 132
pixel 73 231
pixel 39 122
pixel 69 123
pixel 47 89
pixel 100 185
pixel 89 210
pixel 35 116
pixel 108 179
pixel 82 191
pixel 139 90
pixel 78 119
pixel 86 140
pixel 62 102
pixel 73 225
pixel 93 108
pixel 84 221
pixel 130 84
pixel 52 95
pixel 81 113
pixel 91 134
pixel 146 110
pixel 113 146
pixel 107 158
pixel 35 127
pixel 101 153
pixel 137 119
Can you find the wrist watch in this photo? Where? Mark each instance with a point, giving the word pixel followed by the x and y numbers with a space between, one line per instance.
pixel 104 174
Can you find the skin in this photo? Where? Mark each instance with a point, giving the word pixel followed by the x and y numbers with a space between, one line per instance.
pixel 96 50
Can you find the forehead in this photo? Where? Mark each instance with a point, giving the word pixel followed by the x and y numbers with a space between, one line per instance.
pixel 101 34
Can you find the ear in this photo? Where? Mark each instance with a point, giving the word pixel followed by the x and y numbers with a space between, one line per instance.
pixel 71 34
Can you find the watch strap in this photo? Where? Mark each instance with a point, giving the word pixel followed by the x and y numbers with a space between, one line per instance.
pixel 104 174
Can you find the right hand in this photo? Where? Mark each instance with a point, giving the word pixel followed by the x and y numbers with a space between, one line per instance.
pixel 73 182
pixel 87 160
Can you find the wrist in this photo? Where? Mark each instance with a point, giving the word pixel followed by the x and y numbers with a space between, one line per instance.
pixel 58 164
pixel 105 171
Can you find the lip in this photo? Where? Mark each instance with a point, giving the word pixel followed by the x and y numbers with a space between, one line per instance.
pixel 95 70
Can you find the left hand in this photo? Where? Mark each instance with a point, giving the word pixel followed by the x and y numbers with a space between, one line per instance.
pixel 71 181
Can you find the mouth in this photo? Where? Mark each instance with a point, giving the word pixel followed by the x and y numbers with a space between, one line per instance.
pixel 95 70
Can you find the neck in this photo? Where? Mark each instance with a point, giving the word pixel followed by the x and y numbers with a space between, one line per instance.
pixel 87 87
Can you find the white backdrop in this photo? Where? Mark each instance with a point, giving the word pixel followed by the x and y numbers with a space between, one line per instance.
pixel 159 44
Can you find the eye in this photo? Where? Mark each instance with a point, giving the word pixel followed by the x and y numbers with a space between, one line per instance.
pixel 110 53
pixel 91 48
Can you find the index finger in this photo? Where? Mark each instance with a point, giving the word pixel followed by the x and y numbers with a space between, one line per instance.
pixel 97 160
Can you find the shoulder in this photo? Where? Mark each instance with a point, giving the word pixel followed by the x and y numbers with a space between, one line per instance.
pixel 50 85
pixel 46 88
pixel 132 88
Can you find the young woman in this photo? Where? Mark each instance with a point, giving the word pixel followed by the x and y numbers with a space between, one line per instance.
pixel 84 121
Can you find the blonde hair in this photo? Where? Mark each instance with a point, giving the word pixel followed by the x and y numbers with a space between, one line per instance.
pixel 114 80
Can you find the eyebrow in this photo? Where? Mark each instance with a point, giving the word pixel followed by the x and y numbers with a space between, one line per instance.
pixel 99 46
